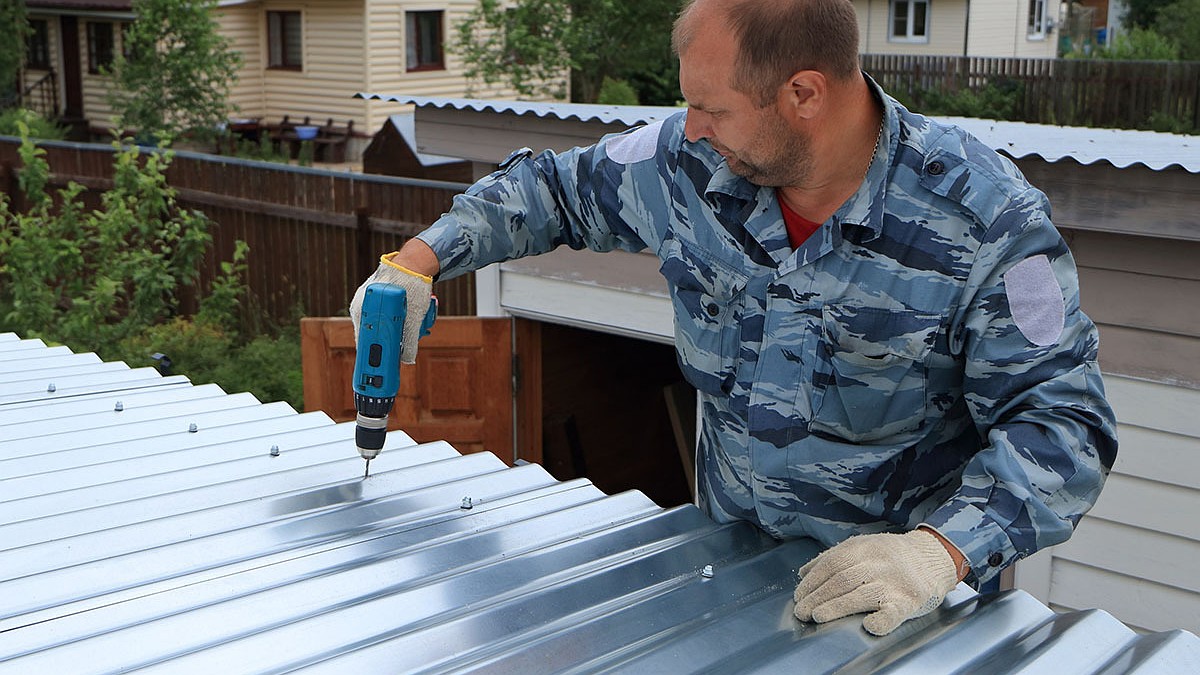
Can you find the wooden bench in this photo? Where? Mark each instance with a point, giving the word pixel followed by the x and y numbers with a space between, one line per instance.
pixel 331 141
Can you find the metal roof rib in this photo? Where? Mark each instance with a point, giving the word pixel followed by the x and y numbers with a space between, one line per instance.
pixel 1120 147
pixel 128 541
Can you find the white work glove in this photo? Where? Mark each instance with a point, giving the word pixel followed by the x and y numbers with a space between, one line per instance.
pixel 418 288
pixel 896 577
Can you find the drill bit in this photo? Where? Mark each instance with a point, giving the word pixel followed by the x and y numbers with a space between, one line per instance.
pixel 368 470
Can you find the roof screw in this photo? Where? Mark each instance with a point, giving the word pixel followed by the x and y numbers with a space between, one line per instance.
pixel 466 503
pixel 707 572
pixel 119 407
pixel 192 428
pixel 51 388
pixel 274 450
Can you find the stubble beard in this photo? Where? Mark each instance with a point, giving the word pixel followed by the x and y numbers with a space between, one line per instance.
pixel 787 162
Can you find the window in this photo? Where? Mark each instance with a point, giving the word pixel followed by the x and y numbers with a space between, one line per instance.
pixel 910 21
pixel 37 45
pixel 1038 24
pixel 424 40
pixel 283 39
pixel 100 46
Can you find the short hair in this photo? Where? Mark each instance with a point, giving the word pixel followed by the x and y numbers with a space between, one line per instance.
pixel 777 38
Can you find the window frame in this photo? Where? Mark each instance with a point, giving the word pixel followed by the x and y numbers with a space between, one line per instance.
pixel 910 15
pixel 97 58
pixel 37 44
pixel 413 44
pixel 1034 29
pixel 284 60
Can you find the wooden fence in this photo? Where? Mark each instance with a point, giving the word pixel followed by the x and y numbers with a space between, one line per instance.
pixel 314 234
pixel 1072 92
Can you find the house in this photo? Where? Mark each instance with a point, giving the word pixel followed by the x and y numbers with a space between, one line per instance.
pixel 1022 28
pixel 303 58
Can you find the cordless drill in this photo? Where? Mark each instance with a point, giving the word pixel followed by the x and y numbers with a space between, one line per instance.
pixel 377 363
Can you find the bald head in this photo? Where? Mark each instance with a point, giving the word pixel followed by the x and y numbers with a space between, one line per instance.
pixel 776 39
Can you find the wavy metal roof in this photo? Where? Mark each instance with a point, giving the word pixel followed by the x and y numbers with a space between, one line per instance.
pixel 164 534
pixel 1119 147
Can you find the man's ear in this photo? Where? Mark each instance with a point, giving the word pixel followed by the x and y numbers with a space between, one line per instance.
pixel 805 94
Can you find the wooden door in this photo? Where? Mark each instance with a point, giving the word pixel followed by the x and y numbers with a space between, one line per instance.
pixel 459 391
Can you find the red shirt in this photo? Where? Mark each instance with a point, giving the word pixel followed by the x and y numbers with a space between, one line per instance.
pixel 799 228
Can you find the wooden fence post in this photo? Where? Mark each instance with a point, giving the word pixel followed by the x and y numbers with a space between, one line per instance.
pixel 365 252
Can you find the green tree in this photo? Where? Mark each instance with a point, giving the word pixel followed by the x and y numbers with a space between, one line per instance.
pixel 1140 44
pixel 12 50
pixel 529 44
pixel 1180 23
pixel 177 70
pixel 1142 13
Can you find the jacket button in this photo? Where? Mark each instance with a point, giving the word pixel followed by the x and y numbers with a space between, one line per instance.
pixel 995 559
pixel 936 168
pixel 712 309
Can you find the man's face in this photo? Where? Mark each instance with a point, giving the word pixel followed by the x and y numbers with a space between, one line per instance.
pixel 757 143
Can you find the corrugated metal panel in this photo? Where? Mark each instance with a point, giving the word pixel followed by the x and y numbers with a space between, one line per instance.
pixel 164 534
pixel 1119 147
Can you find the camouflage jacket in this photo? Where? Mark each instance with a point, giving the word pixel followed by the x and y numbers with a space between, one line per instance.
pixel 922 358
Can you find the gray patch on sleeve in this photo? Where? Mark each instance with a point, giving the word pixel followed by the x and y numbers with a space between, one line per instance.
pixel 635 146
pixel 1035 300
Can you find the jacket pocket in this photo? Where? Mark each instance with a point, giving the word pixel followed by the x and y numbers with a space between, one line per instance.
pixel 871 384
pixel 707 298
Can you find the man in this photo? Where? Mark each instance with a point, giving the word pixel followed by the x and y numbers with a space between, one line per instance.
pixel 882 323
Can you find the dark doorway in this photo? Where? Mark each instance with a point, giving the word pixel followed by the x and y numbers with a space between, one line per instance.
pixel 72 80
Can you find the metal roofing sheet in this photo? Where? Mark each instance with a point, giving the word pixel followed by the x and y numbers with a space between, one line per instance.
pixel 1120 147
pixel 131 539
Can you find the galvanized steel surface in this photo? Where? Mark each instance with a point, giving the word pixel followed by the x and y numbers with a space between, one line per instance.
pixel 1119 147
pixel 252 544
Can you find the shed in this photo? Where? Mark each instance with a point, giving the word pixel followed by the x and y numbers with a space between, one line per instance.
pixel 149 523
pixel 393 152
pixel 1125 201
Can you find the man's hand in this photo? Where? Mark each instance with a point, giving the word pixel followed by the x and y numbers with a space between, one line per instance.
pixel 895 577
pixel 418 288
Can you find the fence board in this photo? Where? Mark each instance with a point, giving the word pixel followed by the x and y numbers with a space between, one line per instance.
pixel 1073 92
pixel 307 229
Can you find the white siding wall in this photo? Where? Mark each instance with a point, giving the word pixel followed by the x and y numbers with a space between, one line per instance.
pixel 1134 554
pixel 995 26
pixel 947 20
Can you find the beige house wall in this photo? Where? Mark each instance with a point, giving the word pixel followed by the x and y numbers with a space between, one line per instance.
pixel 947 22
pixel 386 68
pixel 241 25
pixel 995 27
pixel 31 75
pixel 96 86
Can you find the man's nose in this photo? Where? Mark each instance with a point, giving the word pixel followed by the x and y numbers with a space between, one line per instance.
pixel 696 126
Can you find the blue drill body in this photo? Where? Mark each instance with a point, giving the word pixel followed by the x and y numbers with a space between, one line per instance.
pixel 377 362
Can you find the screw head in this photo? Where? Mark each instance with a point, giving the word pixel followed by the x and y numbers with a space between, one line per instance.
pixel 466 503
pixel 274 450
pixel 192 428
pixel 707 572
pixel 50 388
pixel 119 406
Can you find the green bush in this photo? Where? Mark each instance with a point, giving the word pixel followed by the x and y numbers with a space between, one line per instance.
pixel 616 92
pixel 998 100
pixel 108 280
pixel 37 126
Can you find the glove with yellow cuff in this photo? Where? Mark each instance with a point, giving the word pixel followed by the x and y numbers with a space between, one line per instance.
pixel 895 577
pixel 419 290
